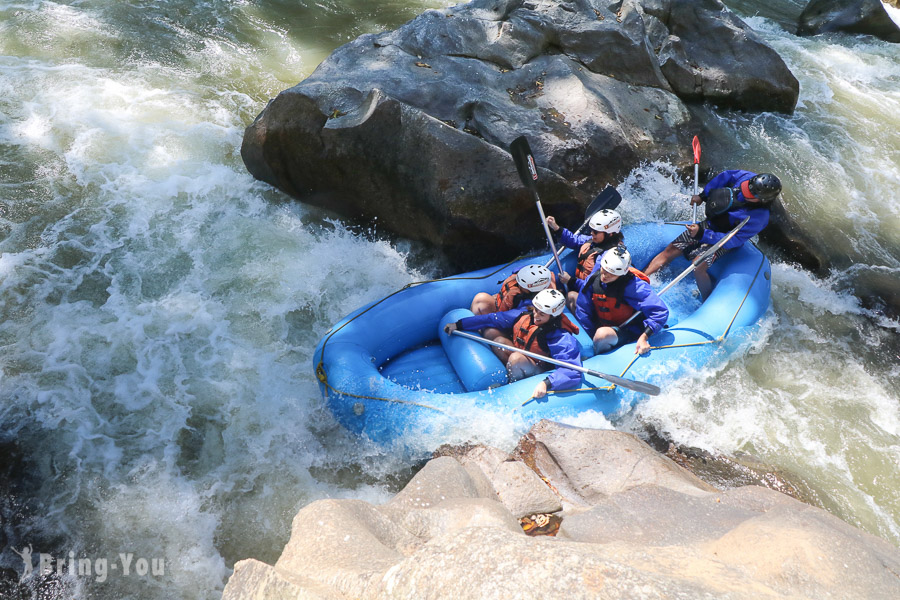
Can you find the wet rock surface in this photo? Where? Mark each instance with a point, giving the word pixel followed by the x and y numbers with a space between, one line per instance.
pixel 413 126
pixel 633 524
pixel 867 17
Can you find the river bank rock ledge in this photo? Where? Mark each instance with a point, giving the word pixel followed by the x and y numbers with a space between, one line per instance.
pixel 633 524
pixel 413 126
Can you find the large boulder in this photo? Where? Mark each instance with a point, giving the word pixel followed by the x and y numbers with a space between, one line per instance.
pixel 707 53
pixel 870 17
pixel 413 126
pixel 634 524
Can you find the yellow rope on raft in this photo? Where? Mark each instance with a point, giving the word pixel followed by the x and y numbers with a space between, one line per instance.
pixel 323 378
pixel 717 340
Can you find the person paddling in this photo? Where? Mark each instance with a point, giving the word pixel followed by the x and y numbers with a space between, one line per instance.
pixel 610 295
pixel 540 328
pixel 729 197
pixel 605 233
pixel 518 288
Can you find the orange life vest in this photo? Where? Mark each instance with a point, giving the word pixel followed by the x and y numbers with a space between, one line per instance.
pixel 531 337
pixel 511 295
pixel 587 254
pixel 610 307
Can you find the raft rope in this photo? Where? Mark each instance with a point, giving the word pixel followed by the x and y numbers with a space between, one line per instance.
pixel 320 373
pixel 716 340
pixel 322 376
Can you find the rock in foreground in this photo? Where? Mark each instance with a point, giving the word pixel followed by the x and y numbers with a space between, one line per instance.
pixel 634 524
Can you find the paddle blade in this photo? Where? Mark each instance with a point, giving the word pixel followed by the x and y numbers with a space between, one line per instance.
pixel 525 165
pixel 637 386
pixel 696 146
pixel 608 198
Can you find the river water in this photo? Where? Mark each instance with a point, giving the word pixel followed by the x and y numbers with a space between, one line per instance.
pixel 160 307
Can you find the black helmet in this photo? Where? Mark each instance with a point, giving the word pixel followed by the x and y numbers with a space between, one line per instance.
pixel 765 186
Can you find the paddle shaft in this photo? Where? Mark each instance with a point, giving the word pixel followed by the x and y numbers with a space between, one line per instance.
pixel 694 264
pixel 609 197
pixel 696 147
pixel 528 174
pixel 638 386
pixel 547 230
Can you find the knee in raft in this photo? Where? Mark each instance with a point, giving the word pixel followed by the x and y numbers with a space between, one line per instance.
pixel 519 366
pixel 482 303
pixel 605 339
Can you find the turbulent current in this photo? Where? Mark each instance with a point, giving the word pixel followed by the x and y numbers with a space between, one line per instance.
pixel 159 415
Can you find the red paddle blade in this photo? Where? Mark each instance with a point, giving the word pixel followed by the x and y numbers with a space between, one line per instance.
pixel 696 146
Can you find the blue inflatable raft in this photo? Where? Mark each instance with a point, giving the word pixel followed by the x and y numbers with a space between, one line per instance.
pixel 386 373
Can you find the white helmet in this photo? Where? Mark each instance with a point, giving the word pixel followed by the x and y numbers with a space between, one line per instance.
pixel 551 302
pixel 607 221
pixel 533 278
pixel 616 260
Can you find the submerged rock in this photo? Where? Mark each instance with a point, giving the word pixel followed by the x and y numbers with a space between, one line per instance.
pixel 412 126
pixel 633 524
pixel 850 16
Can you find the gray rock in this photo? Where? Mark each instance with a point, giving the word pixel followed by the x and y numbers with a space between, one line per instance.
pixel 480 462
pixel 442 478
pixel 492 563
pixel 599 463
pixel 256 580
pixel 801 550
pixel 512 482
pixel 849 16
pixel 522 491
pixel 795 244
pixel 645 515
pixel 412 126
pixel 454 515
pixel 648 531
pixel 741 469
pixel 691 51
pixel 344 543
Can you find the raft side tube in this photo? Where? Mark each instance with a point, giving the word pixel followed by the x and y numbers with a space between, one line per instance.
pixel 476 364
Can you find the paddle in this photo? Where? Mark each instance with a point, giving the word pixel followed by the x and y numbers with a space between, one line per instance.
pixel 608 198
pixel 703 256
pixel 638 386
pixel 525 165
pixel 695 144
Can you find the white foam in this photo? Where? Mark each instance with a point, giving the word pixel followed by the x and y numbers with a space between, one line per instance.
pixel 160 307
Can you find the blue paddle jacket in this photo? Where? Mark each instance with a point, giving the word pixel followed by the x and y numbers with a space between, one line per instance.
pixel 572 240
pixel 562 344
pixel 759 217
pixel 637 294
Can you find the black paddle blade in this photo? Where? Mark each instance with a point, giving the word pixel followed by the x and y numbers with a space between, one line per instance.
pixel 638 386
pixel 608 198
pixel 525 165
